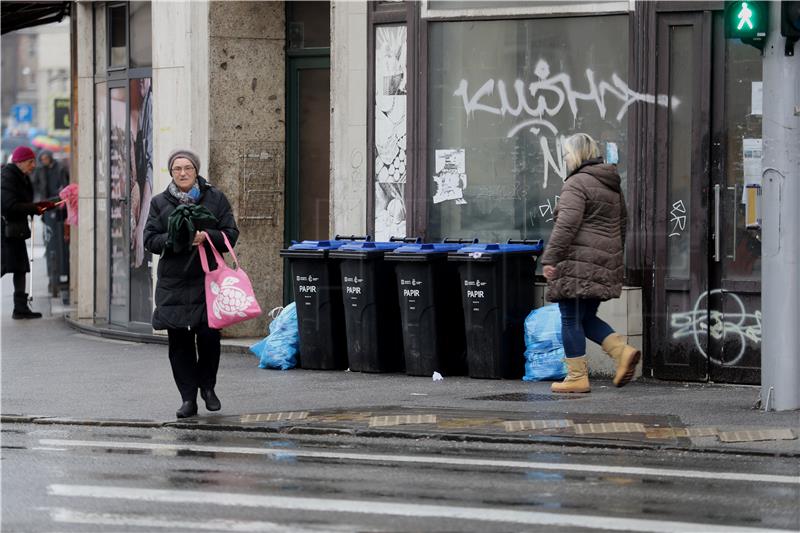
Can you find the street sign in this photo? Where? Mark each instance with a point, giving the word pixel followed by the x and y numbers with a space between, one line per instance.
pixel 22 112
pixel 61 119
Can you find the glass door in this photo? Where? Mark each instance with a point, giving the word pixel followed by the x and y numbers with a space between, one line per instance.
pixel 707 312
pixel 681 304
pixel 735 273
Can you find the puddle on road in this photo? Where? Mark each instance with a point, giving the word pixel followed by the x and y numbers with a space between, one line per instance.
pixel 528 397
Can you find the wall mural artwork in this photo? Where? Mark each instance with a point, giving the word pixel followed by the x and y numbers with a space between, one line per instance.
pixel 738 326
pixel 390 131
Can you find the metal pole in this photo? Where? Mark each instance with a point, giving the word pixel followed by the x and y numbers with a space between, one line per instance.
pixel 780 270
pixel 30 258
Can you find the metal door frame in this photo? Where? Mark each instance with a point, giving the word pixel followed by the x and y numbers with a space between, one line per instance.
pixel 296 60
pixel 660 330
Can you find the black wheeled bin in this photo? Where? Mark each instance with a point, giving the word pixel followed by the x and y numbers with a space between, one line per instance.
pixel 430 308
pixel 317 287
pixel 497 282
pixel 371 312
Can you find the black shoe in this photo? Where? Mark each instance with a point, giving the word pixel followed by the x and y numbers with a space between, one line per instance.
pixel 24 314
pixel 188 408
pixel 212 402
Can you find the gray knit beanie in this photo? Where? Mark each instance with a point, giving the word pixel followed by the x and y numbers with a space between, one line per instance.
pixel 186 153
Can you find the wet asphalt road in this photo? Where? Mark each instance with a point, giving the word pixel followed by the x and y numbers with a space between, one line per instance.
pixel 73 478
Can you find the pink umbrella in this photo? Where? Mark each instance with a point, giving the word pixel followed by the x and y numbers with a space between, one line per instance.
pixel 70 195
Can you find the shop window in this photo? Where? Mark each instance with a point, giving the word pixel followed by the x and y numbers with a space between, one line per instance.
pixel 309 24
pixel 743 150
pixel 141 35
pixel 502 97
pixel 100 44
pixel 117 35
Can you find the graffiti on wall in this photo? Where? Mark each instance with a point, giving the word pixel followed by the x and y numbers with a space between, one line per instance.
pixel 735 328
pixel 678 219
pixel 536 103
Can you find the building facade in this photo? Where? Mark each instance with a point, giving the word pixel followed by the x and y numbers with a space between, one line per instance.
pixel 433 119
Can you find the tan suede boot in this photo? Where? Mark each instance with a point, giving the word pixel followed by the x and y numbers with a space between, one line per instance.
pixel 577 379
pixel 625 357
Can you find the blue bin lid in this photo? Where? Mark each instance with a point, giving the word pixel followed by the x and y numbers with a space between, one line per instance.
pixel 496 248
pixel 369 246
pixel 317 245
pixel 428 248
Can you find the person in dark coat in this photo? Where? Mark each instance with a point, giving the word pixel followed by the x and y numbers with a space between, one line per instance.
pixel 48 179
pixel 17 206
pixel 583 261
pixel 194 348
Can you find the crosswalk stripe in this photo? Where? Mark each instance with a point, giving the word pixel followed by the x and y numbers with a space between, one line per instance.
pixel 435 460
pixel 380 508
pixel 71 516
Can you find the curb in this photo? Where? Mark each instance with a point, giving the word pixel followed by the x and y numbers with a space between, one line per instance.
pixel 149 338
pixel 562 441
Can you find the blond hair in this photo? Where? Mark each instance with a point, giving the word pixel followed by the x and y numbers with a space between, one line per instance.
pixel 578 148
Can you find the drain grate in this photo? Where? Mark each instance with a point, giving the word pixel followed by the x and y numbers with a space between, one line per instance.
pixel 527 397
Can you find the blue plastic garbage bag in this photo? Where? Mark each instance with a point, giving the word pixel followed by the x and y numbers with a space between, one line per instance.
pixel 544 354
pixel 279 348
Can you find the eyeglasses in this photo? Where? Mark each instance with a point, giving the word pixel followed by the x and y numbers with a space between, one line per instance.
pixel 177 170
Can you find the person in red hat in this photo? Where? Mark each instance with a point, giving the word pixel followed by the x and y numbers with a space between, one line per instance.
pixel 17 205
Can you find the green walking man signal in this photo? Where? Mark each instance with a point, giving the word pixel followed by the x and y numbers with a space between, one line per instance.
pixel 748 21
pixel 745 16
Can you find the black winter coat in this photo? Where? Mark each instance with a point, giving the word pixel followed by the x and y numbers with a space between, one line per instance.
pixel 17 205
pixel 180 290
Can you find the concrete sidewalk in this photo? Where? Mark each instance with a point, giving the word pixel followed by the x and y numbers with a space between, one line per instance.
pixel 53 373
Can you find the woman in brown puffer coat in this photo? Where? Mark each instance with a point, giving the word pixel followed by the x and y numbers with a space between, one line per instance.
pixel 583 262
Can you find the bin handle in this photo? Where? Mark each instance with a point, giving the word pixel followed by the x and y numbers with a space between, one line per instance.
pixel 338 237
pixel 536 242
pixel 412 240
pixel 448 240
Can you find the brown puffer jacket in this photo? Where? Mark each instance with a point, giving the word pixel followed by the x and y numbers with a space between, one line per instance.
pixel 587 242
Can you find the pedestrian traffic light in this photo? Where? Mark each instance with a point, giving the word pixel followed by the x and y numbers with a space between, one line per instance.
pixel 748 21
pixel 790 25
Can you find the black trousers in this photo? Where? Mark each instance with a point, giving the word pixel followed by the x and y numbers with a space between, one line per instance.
pixel 194 356
pixel 20 296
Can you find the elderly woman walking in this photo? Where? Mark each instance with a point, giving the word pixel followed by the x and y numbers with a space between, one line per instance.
pixel 17 206
pixel 194 348
pixel 583 262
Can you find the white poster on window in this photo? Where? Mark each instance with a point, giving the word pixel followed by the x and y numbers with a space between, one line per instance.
pixel 751 163
pixel 757 98
pixel 450 176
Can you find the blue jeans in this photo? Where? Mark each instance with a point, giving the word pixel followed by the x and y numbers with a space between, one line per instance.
pixel 578 322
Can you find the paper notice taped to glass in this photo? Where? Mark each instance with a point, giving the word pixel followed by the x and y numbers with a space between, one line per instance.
pixel 752 153
pixel 451 176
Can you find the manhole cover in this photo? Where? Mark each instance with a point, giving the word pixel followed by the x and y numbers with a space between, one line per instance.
pixel 527 397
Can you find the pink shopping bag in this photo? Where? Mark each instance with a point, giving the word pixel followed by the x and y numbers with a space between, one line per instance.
pixel 229 294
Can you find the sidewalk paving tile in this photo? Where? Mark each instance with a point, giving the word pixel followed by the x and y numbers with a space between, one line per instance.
pixel 523 425
pixel 396 420
pixel 274 417
pixel 756 435
pixel 609 427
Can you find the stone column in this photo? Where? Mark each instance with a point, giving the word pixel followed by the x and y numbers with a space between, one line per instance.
pixel 247 132
pixel 82 255
pixel 348 117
